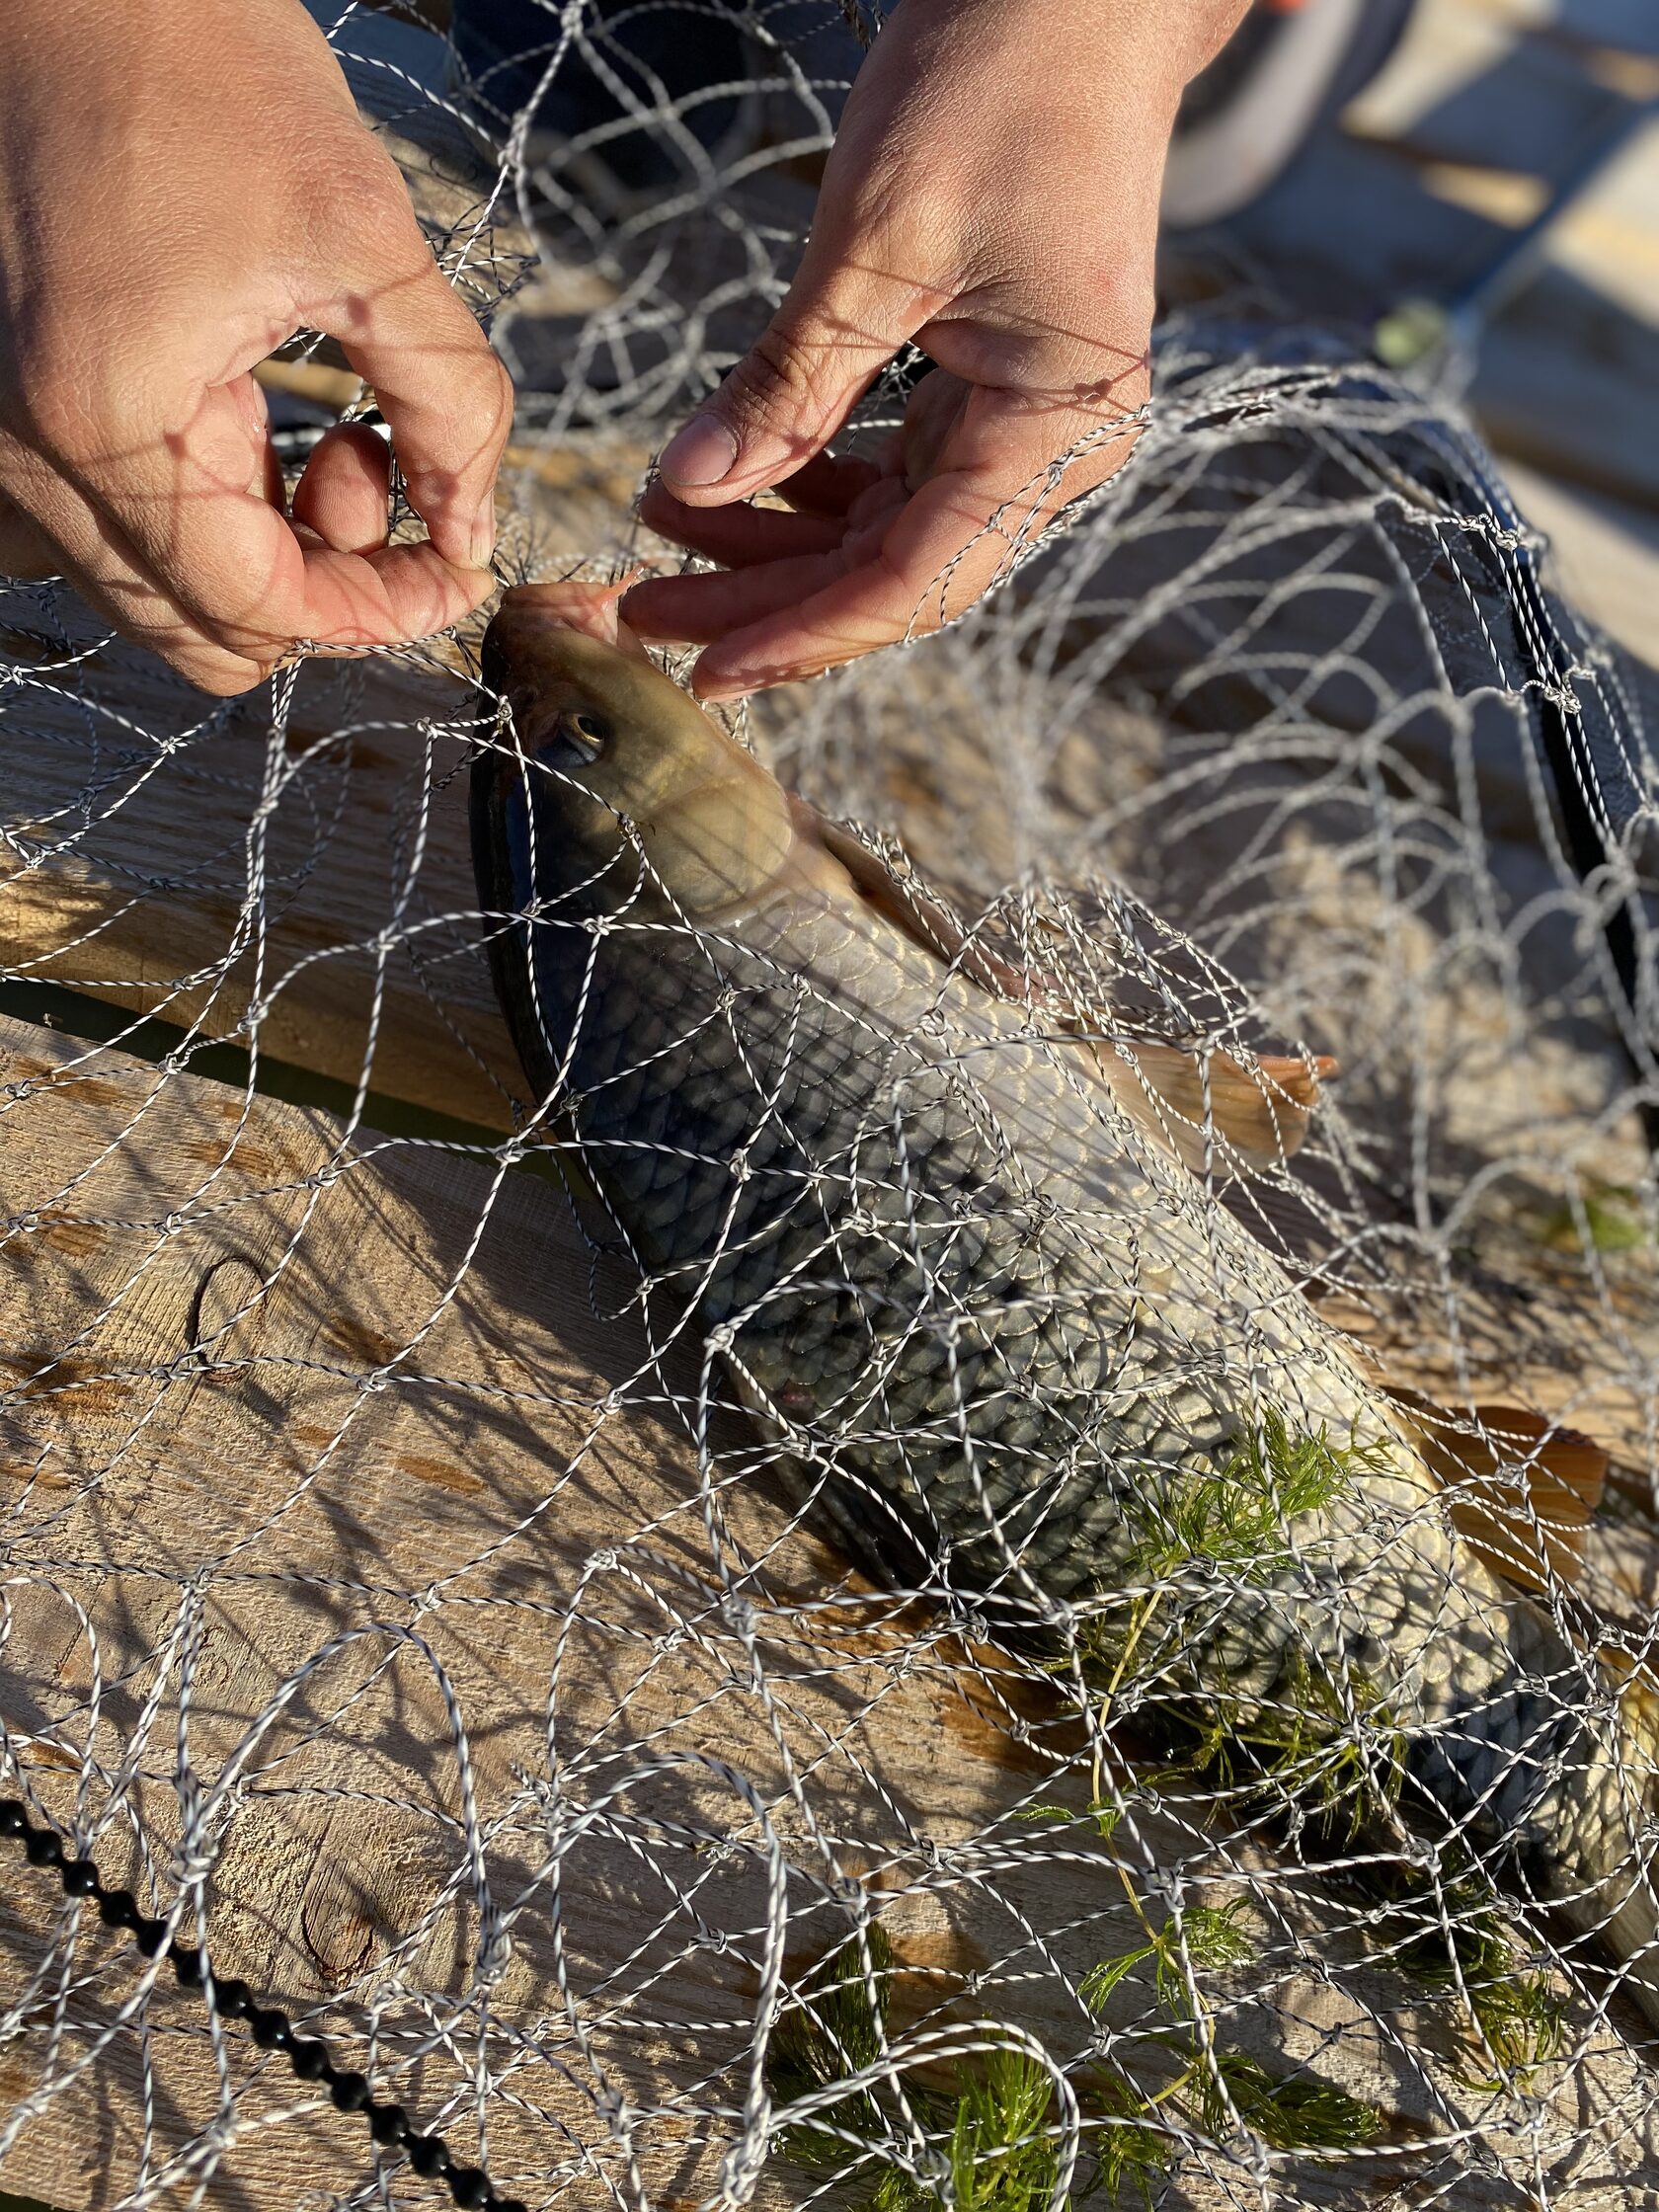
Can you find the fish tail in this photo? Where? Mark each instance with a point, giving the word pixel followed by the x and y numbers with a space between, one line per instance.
pixel 1522 1493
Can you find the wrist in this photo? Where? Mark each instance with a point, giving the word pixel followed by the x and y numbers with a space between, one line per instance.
pixel 1161 43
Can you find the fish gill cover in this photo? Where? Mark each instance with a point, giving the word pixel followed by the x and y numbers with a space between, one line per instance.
pixel 896 1447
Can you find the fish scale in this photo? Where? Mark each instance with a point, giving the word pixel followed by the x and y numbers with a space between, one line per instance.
pixel 976 1313
pixel 992 1325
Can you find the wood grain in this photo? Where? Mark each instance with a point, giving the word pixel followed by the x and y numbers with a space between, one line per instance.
pixel 373 1435
pixel 256 863
pixel 1408 198
pixel 356 1453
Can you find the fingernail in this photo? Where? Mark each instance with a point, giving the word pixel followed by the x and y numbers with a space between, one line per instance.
pixel 701 453
pixel 483 538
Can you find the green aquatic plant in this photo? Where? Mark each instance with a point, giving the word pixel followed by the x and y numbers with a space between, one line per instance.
pixel 1131 2146
pixel 1325 1738
pixel 1328 1744
pixel 997 2148
pixel 1454 1937
pixel 1208 1936
pixel 1003 2154
pixel 993 2134
pixel 1230 1523
pixel 830 2035
pixel 1214 2084
pixel 1608 1217
pixel 1294 2113
pixel 1234 1518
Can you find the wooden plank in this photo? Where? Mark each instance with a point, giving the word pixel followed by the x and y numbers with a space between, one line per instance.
pixel 1607 555
pixel 1621 26
pixel 143 887
pixel 1610 240
pixel 358 1453
pixel 1561 386
pixel 1416 196
pixel 180 858
pixel 396 1433
pixel 184 856
pixel 363 1422
pixel 1470 87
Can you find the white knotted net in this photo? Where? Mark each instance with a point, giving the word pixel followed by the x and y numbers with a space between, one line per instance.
pixel 410 1615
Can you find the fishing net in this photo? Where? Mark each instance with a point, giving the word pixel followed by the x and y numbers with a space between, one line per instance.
pixel 492 1718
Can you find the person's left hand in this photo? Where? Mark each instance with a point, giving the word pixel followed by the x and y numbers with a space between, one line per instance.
pixel 991 195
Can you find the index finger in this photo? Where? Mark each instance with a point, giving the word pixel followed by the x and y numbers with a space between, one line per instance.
pixel 1001 477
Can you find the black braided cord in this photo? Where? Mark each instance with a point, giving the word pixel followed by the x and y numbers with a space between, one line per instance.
pixel 267 2024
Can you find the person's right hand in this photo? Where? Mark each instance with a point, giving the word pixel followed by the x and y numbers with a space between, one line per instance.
pixel 183 186
pixel 993 197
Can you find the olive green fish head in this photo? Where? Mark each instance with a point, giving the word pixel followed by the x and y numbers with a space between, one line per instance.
pixel 610 763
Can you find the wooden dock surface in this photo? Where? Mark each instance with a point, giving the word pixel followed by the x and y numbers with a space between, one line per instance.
pixel 356 1457
pixel 1486 105
pixel 371 1416
pixel 403 1450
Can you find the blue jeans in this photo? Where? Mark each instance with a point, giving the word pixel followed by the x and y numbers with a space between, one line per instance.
pixel 690 47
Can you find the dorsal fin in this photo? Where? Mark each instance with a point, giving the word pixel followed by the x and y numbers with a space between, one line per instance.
pixel 1216 1113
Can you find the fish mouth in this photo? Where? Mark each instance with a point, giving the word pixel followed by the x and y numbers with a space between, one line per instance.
pixel 572 603
pixel 521 643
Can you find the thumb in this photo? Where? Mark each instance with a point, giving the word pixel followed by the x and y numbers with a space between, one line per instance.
pixel 793 390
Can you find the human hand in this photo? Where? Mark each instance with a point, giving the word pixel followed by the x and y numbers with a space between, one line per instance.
pixel 992 195
pixel 182 186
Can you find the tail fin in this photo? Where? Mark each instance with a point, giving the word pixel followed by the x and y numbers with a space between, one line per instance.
pixel 1523 1492
pixel 1619 1902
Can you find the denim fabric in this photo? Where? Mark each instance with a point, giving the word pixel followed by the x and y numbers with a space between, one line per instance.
pixel 606 70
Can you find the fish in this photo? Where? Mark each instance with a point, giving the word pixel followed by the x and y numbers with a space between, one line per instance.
pixel 995 1321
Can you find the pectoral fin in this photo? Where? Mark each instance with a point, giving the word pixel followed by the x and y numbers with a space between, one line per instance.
pixel 1218 1113
pixel 589 607
pixel 1523 1491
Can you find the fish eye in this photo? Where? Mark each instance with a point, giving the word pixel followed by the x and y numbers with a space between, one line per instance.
pixel 585 732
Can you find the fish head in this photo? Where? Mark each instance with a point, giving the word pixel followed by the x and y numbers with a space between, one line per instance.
pixel 612 764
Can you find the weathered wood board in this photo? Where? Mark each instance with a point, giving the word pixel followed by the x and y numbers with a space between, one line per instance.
pixel 334 1428
pixel 1485 107
pixel 266 1396
pixel 358 1396
pixel 171 881
pixel 1607 554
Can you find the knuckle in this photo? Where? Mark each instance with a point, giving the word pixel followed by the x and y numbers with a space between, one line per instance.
pixel 351 152
pixel 502 406
pixel 378 262
pixel 362 213
pixel 55 403
pixel 485 403
pixel 77 404
pixel 785 368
